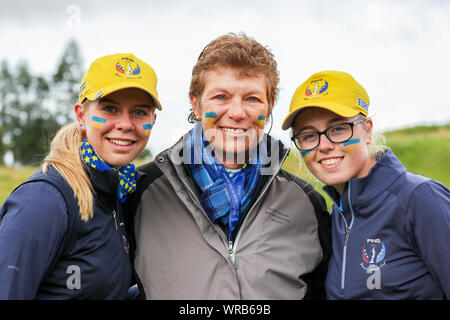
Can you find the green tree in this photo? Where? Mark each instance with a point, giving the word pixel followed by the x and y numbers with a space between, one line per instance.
pixel 33 107
pixel 66 82
pixel 6 86
pixel 29 123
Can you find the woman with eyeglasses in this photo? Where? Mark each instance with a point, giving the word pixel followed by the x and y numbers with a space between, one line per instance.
pixel 390 227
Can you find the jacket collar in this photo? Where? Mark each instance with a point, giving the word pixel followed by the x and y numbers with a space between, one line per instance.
pixel 382 175
pixel 170 161
pixel 103 182
pixel 275 148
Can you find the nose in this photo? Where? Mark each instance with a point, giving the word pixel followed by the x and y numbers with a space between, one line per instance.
pixel 236 110
pixel 325 144
pixel 124 122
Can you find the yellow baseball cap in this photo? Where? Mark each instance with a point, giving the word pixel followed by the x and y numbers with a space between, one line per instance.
pixel 336 91
pixel 115 72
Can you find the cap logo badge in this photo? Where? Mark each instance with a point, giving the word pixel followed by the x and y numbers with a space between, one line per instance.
pixel 128 67
pixel 363 104
pixel 316 87
pixel 82 89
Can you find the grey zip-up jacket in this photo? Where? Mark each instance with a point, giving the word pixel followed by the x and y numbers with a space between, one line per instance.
pixel 280 250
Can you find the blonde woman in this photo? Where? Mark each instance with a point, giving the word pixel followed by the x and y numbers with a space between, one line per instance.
pixel 62 232
pixel 390 227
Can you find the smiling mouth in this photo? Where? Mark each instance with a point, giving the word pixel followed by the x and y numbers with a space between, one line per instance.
pixel 330 161
pixel 121 142
pixel 233 131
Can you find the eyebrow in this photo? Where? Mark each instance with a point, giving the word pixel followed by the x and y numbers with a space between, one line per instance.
pixel 107 100
pixel 337 119
pixel 220 89
pixel 149 106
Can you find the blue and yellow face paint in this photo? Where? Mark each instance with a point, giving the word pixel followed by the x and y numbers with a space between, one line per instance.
pixel 306 155
pixel 261 120
pixel 147 128
pixel 353 144
pixel 98 122
pixel 210 117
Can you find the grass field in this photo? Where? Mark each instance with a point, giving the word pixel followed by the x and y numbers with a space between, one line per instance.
pixel 11 177
pixel 424 150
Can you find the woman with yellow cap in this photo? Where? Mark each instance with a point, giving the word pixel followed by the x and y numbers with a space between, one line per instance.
pixel 390 227
pixel 62 232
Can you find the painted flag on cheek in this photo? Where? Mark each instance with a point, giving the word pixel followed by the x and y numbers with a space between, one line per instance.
pixel 210 117
pixel 306 155
pixel 98 122
pixel 261 120
pixel 352 144
pixel 147 128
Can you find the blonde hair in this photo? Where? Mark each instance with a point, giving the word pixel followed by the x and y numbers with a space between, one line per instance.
pixel 378 145
pixel 65 158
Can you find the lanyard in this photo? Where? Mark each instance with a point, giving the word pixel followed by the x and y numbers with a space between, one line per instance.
pixel 235 191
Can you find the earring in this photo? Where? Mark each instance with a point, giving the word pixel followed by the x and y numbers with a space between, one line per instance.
pixel 81 126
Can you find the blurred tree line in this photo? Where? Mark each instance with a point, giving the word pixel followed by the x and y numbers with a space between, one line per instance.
pixel 33 107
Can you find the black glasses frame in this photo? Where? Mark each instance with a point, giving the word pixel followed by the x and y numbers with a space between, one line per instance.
pixel 325 132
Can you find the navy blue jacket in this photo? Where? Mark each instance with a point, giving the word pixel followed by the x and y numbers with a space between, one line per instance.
pixel 391 236
pixel 48 252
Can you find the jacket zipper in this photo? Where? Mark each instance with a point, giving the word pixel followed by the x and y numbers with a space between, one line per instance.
pixel 233 244
pixel 232 254
pixel 347 233
pixel 123 241
pixel 114 214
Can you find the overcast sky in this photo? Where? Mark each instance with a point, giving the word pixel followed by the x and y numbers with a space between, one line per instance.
pixel 398 50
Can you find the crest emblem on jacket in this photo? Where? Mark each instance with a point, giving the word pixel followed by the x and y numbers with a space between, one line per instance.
pixel 373 255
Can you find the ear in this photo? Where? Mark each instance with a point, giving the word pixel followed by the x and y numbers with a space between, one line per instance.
pixel 269 111
pixel 368 126
pixel 196 106
pixel 79 112
pixel 154 118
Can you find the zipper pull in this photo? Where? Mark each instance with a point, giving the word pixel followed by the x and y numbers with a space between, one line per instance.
pixel 230 248
pixel 347 231
pixel 231 258
pixel 115 221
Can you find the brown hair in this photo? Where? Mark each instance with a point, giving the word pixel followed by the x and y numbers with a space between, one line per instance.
pixel 240 52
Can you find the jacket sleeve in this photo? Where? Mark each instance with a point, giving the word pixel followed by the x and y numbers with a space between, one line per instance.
pixel 316 279
pixel 33 221
pixel 429 213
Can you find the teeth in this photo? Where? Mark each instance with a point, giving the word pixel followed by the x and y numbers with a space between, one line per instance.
pixel 233 130
pixel 121 142
pixel 329 162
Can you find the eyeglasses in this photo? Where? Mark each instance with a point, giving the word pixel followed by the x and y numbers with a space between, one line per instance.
pixel 338 133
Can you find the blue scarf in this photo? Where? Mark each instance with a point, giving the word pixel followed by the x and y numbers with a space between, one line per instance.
pixel 126 174
pixel 224 196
